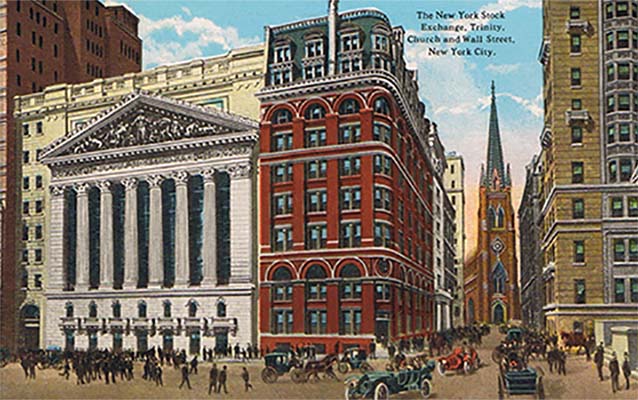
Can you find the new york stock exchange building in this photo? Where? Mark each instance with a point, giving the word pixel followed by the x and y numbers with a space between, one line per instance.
pixel 150 238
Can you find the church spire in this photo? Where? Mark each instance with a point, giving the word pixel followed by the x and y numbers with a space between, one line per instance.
pixel 495 165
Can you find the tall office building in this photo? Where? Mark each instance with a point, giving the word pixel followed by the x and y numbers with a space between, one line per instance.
pixel 346 186
pixel 589 142
pixel 49 42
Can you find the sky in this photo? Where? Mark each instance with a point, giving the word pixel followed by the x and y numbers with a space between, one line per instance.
pixel 455 89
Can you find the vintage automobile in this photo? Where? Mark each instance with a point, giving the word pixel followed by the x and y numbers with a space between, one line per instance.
pixel 277 364
pixel 354 358
pixel 310 371
pixel 516 378
pixel 379 385
pixel 458 360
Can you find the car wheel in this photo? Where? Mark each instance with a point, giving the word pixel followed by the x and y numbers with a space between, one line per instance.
pixel 269 375
pixel 343 367
pixel 440 368
pixel 351 384
pixel 426 388
pixel 467 367
pixel 381 392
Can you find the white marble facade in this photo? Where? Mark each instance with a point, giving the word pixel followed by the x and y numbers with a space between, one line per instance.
pixel 147 140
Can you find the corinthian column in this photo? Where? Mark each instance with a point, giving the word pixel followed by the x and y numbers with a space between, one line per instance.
pixel 155 250
pixel 182 270
pixel 106 235
pixel 131 260
pixel 58 277
pixel 209 249
pixel 82 231
pixel 241 223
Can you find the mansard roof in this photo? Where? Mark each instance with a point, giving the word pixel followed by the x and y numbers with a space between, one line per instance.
pixel 141 120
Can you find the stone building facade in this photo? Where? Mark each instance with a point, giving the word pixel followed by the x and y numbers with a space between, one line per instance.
pixel 151 224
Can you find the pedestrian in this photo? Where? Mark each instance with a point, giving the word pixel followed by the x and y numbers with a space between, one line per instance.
pixel 194 364
pixel 185 379
pixel 626 370
pixel 562 360
pixel 599 358
pixel 66 371
pixel 614 371
pixel 158 376
pixel 212 379
pixel 373 348
pixel 246 377
pixel 223 375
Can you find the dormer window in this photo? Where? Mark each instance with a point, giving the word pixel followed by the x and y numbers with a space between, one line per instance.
pixel 282 54
pixel 314 48
pixel 281 76
pixel 380 42
pixel 313 71
pixel 350 65
pixel 350 41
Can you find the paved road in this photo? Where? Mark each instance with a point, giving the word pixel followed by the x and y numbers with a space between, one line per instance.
pixel 580 383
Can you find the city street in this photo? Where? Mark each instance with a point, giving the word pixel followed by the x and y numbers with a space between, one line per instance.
pixel 580 383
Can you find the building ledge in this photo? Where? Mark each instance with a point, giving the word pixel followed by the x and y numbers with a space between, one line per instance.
pixel 572 116
pixel 579 26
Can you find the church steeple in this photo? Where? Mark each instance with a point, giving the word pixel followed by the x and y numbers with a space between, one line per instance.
pixel 495 171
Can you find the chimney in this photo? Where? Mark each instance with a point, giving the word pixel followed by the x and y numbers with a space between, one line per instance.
pixel 333 15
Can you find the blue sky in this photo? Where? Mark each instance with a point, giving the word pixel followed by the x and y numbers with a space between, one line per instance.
pixel 455 89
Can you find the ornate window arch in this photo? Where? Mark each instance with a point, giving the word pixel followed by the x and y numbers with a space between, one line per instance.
pixel 382 106
pixel 315 282
pixel 499 277
pixel 491 218
pixel 282 290
pixel 315 111
pixel 349 106
pixel 281 116
pixel 351 281
pixel 500 219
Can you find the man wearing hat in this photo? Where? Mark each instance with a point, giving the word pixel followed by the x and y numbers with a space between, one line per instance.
pixel 614 370
pixel 599 358
pixel 626 370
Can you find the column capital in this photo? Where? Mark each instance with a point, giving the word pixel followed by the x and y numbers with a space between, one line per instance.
pixel 181 177
pixel 129 183
pixel 209 175
pixel 57 190
pixel 82 188
pixel 154 181
pixel 239 170
pixel 104 186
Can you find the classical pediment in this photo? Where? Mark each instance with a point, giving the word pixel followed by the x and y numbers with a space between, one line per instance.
pixel 142 120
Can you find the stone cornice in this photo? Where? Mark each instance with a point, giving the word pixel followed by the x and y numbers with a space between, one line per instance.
pixel 587 188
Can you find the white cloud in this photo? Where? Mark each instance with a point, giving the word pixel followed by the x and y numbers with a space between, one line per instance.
pixel 503 68
pixel 534 106
pixel 186 11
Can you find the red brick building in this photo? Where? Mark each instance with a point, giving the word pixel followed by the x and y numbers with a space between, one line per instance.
pixel 44 43
pixel 345 187
pixel 491 274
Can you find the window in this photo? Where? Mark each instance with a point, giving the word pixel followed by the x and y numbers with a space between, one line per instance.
pixel 315 137
pixel 623 102
pixel 579 291
pixel 611 134
pixel 38 181
pixel 383 291
pixel 619 290
pixel 610 72
pixel 316 236
pixel 616 207
pixel 282 173
pixel 623 133
pixel 383 165
pixel 167 309
pixel 68 307
pixel 350 322
pixel 25 207
pixel 39 205
pixel 350 198
pixel 575 43
pixel 577 135
pixel 499 277
pixel 633 206
pixel 349 134
pixel 350 287
pixel 25 183
pixel 192 309
pixel 575 75
pixel 610 41
pixel 25 232
pixel 316 169
pixel 281 141
pixel 316 200
pixel 382 132
pixel 623 71
pixel 116 307
pixel 577 172
pixel 381 106
pixel 282 321
pixel 315 283
pixel 315 111
pixel 282 204
pixel 622 39
pixel 349 166
pixel 316 321
pixel 579 251
pixel 18 29
pixel 313 71
pixel 611 104
pixel 383 199
pixel 282 116
pixel 574 12
pixel 625 169
pixel 613 171
pixel 382 234
pixel 282 54
pixel 282 238
pixel 92 310
pixel 633 282
pixel 349 41
pixel 25 157
pixel 38 232
pixel 577 104
pixel 578 208
pixel 622 9
pixel 314 48
pixel 221 309
pixel 633 249
pixel 350 234
pixel 25 256
pixel 619 250
pixel 349 106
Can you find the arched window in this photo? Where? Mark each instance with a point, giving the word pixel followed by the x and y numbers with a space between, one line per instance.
pixel 381 106
pixel 282 116
pixel 92 310
pixel 141 309
pixel 499 276
pixel 192 309
pixel 351 284
pixel 282 290
pixel 315 285
pixel 491 218
pixel 349 106
pixel 315 111
pixel 69 310
pixel 167 309
pixel 221 309
pixel 31 312
pixel 500 220
pixel 117 309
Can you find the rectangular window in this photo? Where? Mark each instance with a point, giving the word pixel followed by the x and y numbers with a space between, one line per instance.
pixel 350 198
pixel 632 205
pixel 616 207
pixel 349 134
pixel 349 42
pixel 282 321
pixel 574 12
pixel 623 133
pixel 609 41
pixel 382 234
pixel 610 73
pixel 314 48
pixel 37 281
pixel 611 104
pixel 25 157
pixel 316 200
pixel 281 141
pixel 625 169
pixel 316 321
pixel 577 136
pixel 350 289
pixel 619 250
pixel 622 9
pixel 350 322
pixel 633 282
pixel 25 232
pixel 38 232
pixel 282 173
pixel 383 291
pixel 622 39
pixel 577 172
pixel 575 43
pixel 633 249
pixel 611 134
pixel 383 165
pixel 349 166
pixel 575 75
pixel 382 198
pixel 25 207
pixel 623 102
pixel 382 133
pixel 38 181
pixel 350 234
pixel 579 251
pixel 315 137
pixel 579 291
pixel 282 54
pixel 316 236
pixel 39 206
pixel 282 292
pixel 578 208
pixel 316 169
pixel 25 183
pixel 282 237
pixel 38 255
pixel 619 290
pixel 623 71
pixel 282 204
pixel 316 290
pixel 577 104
